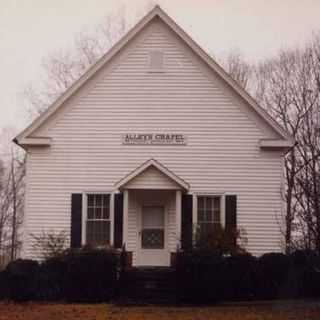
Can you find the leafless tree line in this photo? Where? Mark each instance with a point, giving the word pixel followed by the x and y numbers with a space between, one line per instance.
pixel 63 67
pixel 12 174
pixel 288 87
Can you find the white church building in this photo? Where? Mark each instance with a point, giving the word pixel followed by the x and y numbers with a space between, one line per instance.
pixel 154 139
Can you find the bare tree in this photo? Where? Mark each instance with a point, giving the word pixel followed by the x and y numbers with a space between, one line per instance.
pixel 239 69
pixel 63 67
pixel 50 244
pixel 17 175
pixel 12 172
pixel 287 86
pixel 278 78
pixel 4 203
pixel 308 177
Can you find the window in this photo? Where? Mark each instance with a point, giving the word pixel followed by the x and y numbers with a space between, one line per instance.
pixel 152 234
pixel 209 213
pixel 156 60
pixel 98 219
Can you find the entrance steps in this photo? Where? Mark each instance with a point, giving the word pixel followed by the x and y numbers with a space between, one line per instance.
pixel 147 285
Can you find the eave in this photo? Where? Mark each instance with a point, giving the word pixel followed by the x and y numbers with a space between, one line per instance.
pixel 275 144
pixel 33 141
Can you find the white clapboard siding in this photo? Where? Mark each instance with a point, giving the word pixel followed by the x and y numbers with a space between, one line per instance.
pixel 222 154
pixel 152 179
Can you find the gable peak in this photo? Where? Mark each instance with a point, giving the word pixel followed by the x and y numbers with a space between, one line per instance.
pixel 23 139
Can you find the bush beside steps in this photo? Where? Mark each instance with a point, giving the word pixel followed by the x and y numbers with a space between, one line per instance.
pixel 76 276
pixel 207 278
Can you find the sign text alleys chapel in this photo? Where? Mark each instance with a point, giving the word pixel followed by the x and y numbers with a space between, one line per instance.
pixel 154 139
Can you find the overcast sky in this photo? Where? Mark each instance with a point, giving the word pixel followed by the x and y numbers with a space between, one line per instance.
pixel 30 29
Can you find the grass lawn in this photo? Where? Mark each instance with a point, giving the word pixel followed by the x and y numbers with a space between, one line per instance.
pixel 277 311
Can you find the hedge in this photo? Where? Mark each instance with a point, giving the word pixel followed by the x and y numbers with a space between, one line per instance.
pixel 3 285
pixel 77 276
pixel 205 278
pixel 90 277
pixel 21 280
pixel 202 277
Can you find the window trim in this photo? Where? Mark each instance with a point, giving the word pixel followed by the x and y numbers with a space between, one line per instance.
pixel 85 214
pixel 163 227
pixel 222 206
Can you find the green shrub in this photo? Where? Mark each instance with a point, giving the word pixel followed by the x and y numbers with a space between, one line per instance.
pixel 239 277
pixel 199 277
pixel 21 280
pixel 90 275
pixel 50 279
pixel 216 239
pixel 203 277
pixel 304 278
pixel 76 276
pixel 3 285
pixel 274 269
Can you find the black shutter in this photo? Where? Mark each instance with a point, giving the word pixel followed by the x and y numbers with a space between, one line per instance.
pixel 118 219
pixel 231 217
pixel 76 220
pixel 186 223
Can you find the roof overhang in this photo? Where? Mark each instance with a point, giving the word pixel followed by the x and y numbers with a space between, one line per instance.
pixel 33 141
pixel 276 144
pixel 120 185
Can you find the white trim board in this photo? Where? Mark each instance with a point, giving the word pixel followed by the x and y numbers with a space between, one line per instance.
pixel 151 163
pixel 84 215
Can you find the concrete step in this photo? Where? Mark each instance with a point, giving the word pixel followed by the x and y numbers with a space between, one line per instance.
pixel 148 285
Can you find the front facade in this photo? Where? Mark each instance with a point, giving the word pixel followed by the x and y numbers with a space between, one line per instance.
pixel 154 137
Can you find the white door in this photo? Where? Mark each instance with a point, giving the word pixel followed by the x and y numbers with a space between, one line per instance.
pixel 152 237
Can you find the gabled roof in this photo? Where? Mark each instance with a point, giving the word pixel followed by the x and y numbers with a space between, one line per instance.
pixel 24 136
pixel 148 164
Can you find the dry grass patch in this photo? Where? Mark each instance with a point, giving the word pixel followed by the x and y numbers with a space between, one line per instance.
pixel 36 311
pixel 215 313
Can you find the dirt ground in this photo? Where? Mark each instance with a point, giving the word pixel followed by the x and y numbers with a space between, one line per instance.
pixel 35 311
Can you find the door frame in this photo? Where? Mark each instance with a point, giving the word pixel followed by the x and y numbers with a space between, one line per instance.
pixel 151 203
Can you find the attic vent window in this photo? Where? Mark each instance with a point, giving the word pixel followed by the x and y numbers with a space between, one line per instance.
pixel 156 61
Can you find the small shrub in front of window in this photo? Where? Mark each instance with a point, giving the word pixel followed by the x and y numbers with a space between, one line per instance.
pixel 214 238
pixel 209 235
pixel 49 244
